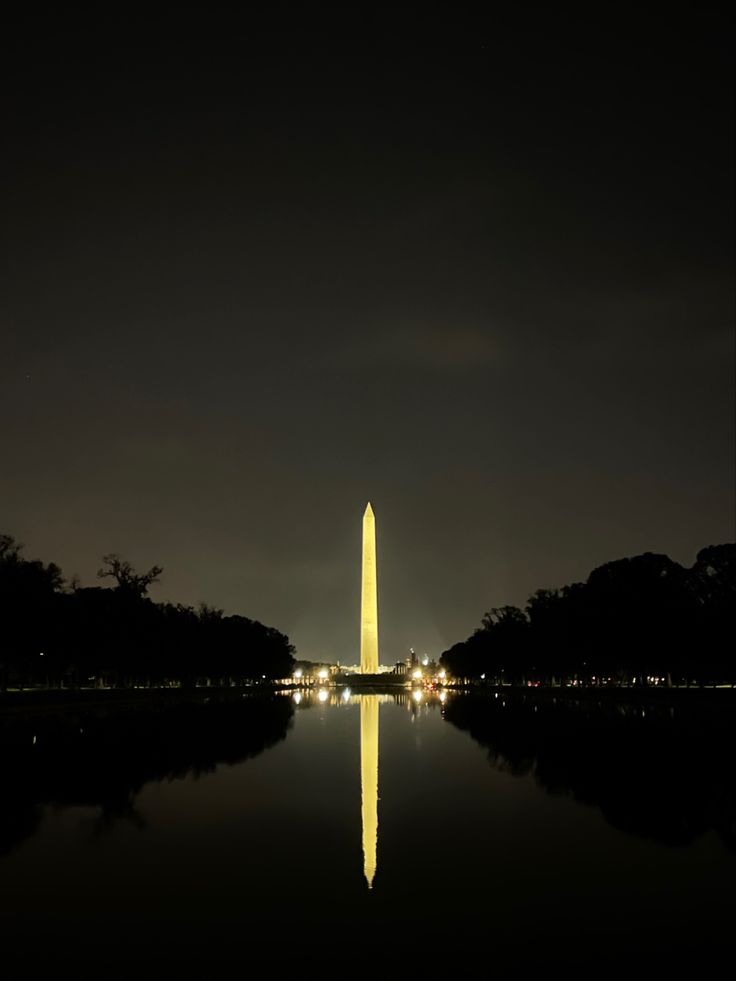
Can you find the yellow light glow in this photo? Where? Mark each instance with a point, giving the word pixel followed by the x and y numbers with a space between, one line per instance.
pixel 346 695
pixel 443 697
pixel 417 674
pixel 322 695
pixel 298 673
pixel 443 675
pixel 297 697
pixel 369 598
pixel 322 673
pixel 417 695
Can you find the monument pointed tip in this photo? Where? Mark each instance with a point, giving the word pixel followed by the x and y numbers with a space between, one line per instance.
pixel 368 508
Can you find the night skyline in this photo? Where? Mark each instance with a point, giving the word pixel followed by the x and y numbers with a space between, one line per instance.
pixel 478 275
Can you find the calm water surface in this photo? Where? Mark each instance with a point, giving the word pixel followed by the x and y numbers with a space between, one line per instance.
pixel 215 834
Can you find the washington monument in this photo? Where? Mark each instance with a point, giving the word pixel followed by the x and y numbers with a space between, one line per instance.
pixel 369 600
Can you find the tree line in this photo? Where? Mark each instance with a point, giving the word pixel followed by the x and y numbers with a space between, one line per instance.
pixel 53 633
pixel 633 620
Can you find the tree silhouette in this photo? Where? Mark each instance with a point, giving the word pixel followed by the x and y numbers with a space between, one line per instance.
pixel 9 548
pixel 54 636
pixel 633 619
pixel 125 575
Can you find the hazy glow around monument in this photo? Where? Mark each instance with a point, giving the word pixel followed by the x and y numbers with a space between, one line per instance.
pixel 369 597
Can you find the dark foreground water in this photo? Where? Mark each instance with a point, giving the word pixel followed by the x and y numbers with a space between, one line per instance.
pixel 239 836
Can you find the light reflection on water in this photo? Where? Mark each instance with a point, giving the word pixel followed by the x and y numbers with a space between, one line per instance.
pixel 530 814
pixel 369 784
pixel 369 751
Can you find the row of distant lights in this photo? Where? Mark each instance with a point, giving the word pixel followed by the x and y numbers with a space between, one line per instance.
pixel 323 695
pixel 417 675
pixel 322 674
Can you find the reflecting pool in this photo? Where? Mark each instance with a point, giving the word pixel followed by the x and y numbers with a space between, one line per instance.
pixel 290 832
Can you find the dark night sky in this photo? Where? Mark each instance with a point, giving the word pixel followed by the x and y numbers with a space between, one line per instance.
pixel 256 274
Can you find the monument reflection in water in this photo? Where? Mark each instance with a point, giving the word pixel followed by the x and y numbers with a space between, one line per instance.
pixel 368 767
pixel 369 783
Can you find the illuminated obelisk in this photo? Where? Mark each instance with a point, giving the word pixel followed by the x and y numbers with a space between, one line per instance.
pixel 369 600
pixel 369 782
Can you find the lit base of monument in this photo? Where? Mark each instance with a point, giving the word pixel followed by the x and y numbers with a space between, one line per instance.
pixel 384 680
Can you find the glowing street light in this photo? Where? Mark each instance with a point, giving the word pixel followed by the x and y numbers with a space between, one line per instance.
pixel 322 674
pixel 417 674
